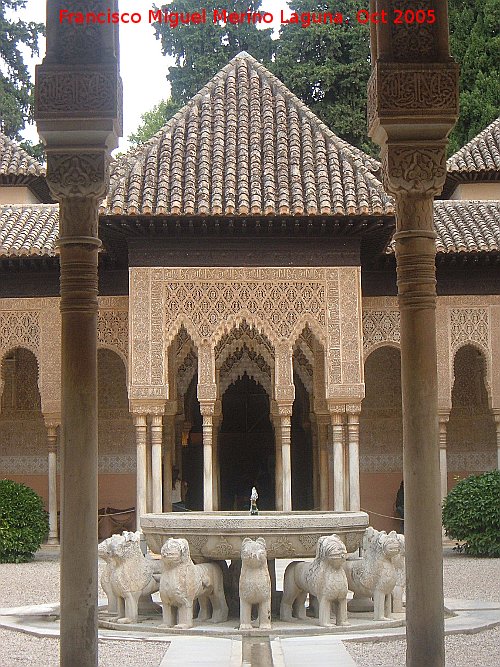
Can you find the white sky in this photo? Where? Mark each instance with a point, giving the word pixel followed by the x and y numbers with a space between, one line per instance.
pixel 143 67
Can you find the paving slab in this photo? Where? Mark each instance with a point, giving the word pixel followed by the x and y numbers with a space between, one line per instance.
pixel 320 651
pixel 199 651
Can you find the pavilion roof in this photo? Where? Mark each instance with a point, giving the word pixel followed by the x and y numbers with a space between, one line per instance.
pixel 467 226
pixel 15 161
pixel 481 154
pixel 30 229
pixel 245 145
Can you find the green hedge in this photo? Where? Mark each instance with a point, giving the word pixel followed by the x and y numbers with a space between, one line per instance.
pixel 24 523
pixel 471 513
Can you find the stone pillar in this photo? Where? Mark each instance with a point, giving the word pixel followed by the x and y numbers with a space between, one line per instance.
pixel 285 416
pixel 443 465
pixel 207 411
pixel 156 462
pixel 140 423
pixel 337 420
pixel 52 450
pixel 497 426
pixel 278 469
pixel 77 109
pixel 412 130
pixel 353 412
pixel 168 460
pixel 216 463
pixel 324 463
pixel 315 459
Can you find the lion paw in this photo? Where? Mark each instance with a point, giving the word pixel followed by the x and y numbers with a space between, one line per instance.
pixel 245 626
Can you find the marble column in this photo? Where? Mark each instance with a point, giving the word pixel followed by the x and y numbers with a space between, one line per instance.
pixel 324 462
pixel 278 469
pixel 443 465
pixel 286 456
pixel 353 412
pixel 79 130
pixel 156 462
pixel 52 450
pixel 315 459
pixel 216 462
pixel 140 423
pixel 207 412
pixel 412 133
pixel 168 460
pixel 337 420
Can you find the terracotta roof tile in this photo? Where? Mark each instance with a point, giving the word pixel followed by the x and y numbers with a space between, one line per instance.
pixel 14 161
pixel 246 145
pixel 467 226
pixel 481 153
pixel 28 229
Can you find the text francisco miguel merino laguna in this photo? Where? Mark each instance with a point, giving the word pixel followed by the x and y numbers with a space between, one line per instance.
pixel 174 19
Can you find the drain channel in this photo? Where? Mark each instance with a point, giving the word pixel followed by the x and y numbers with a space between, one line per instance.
pixel 256 652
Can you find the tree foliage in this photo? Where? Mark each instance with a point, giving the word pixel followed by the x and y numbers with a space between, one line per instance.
pixel 16 88
pixel 200 51
pixel 153 121
pixel 475 44
pixel 328 66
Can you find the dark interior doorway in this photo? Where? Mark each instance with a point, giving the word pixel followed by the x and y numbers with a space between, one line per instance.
pixel 246 446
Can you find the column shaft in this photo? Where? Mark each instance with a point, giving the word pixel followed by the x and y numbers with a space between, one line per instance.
pixel 168 462
pixel 208 502
pixel 156 462
pixel 52 443
pixel 140 424
pixel 286 461
pixel 338 461
pixel 443 464
pixel 278 477
pixel 78 645
pixel 353 446
pixel 415 255
pixel 497 425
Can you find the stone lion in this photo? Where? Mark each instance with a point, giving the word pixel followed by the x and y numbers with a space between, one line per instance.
pixel 104 552
pixel 376 574
pixel 182 582
pixel 324 578
pixel 131 574
pixel 397 593
pixel 255 583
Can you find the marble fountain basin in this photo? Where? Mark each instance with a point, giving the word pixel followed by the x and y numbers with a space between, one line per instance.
pixel 218 535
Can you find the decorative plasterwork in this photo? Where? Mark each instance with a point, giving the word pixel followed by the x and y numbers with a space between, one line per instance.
pixel 469 325
pixel 112 325
pixel 380 327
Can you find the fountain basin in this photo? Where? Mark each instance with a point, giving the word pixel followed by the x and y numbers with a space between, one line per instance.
pixel 218 535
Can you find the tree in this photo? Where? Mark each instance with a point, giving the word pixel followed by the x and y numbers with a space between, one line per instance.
pixel 475 44
pixel 16 88
pixel 201 50
pixel 153 121
pixel 327 66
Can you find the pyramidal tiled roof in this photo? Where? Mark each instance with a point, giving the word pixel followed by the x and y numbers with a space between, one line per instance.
pixel 246 145
pixel 30 229
pixel 15 162
pixel 481 153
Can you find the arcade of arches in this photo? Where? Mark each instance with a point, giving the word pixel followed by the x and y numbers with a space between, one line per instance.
pixel 234 402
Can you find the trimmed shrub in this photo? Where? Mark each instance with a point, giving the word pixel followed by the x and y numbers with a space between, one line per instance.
pixel 471 513
pixel 24 524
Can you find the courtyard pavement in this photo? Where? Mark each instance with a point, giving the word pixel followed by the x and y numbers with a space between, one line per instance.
pixel 38 582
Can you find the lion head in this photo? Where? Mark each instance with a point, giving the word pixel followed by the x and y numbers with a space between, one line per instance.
pixel 175 551
pixel 330 548
pixel 390 545
pixel 106 547
pixel 254 552
pixel 125 546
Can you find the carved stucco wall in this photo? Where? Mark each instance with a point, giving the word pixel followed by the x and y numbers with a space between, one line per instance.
pixel 460 320
pixel 34 325
pixel 278 302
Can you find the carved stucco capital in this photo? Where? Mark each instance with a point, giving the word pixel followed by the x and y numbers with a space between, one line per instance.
pixel 414 169
pixel 75 174
pixel 145 408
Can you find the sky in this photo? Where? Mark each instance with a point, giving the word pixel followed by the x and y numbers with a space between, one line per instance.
pixel 143 67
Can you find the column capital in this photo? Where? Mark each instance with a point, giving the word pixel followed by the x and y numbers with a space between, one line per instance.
pixel 52 420
pixel 414 168
pixel 353 409
pixel 207 409
pixel 147 407
pixel 285 408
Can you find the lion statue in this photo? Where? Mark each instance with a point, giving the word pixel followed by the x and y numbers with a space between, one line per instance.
pixel 182 582
pixel 324 578
pixel 104 552
pixel 376 574
pixel 397 593
pixel 130 574
pixel 255 584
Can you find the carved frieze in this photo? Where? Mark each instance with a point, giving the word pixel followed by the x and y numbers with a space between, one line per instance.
pixel 380 326
pixel 469 325
pixel 72 93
